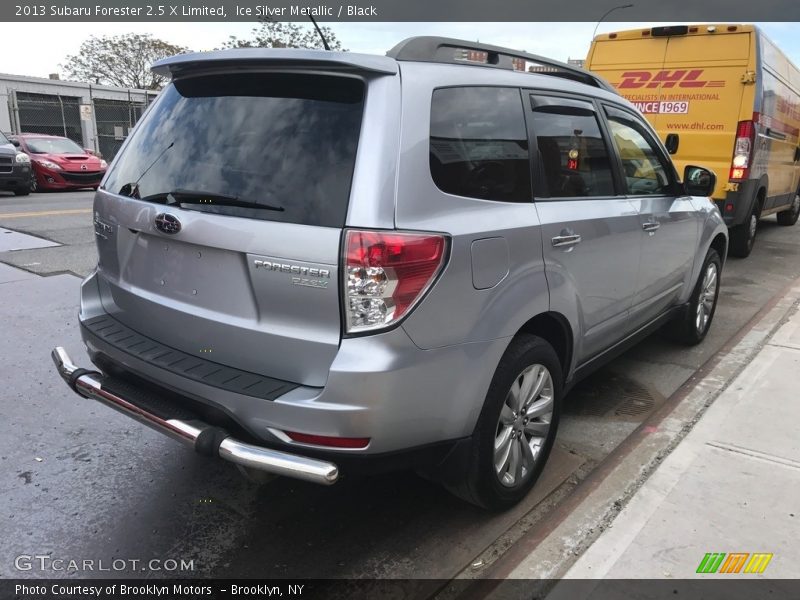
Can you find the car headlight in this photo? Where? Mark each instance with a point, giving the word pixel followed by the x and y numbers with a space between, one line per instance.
pixel 103 164
pixel 49 164
pixel 23 158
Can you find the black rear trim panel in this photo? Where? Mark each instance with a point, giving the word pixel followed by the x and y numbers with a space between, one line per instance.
pixel 125 339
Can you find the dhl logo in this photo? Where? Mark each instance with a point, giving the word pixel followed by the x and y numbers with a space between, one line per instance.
pixel 736 562
pixel 684 78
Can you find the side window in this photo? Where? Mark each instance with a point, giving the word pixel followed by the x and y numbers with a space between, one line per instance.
pixel 645 172
pixel 479 144
pixel 573 154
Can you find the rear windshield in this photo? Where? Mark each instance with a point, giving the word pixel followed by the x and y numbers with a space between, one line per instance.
pixel 284 141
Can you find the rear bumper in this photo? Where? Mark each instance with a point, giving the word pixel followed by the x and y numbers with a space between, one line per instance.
pixel 380 387
pixel 204 438
pixel 736 206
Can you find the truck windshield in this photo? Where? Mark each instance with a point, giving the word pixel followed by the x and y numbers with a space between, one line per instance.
pixel 285 140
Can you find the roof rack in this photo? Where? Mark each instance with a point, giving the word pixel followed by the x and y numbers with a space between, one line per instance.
pixel 441 50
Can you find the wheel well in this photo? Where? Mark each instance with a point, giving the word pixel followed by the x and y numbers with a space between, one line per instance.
pixel 761 197
pixel 720 245
pixel 555 329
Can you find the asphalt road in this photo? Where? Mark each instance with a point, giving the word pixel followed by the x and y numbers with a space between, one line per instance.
pixel 78 481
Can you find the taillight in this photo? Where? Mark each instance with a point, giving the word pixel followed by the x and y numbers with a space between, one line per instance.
pixel 743 150
pixel 386 274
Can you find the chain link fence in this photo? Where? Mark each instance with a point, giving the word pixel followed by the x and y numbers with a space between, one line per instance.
pixel 113 121
pixel 44 113
pixel 102 124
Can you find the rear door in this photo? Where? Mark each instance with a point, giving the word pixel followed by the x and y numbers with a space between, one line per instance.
pixel 226 209
pixel 591 233
pixel 703 97
pixel 669 223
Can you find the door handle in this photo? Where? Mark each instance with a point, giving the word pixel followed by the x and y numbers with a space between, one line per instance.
pixel 566 240
pixel 651 226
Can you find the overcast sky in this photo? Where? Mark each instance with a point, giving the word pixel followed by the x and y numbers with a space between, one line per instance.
pixel 44 46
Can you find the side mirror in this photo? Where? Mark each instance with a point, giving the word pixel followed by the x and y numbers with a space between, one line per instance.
pixel 15 142
pixel 672 142
pixel 698 181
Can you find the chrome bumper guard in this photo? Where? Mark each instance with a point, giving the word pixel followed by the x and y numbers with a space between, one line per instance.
pixel 89 384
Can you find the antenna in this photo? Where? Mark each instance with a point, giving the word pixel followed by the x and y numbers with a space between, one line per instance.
pixel 319 31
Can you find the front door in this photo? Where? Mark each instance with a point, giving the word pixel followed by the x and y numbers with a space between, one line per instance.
pixel 670 227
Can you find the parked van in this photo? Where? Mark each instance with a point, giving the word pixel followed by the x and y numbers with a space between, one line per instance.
pixel 723 96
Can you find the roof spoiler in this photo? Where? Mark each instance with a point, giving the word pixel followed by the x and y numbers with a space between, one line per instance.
pixel 275 57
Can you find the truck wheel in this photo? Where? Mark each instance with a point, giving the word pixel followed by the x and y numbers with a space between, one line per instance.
pixel 516 428
pixel 22 191
pixel 694 325
pixel 789 217
pixel 742 237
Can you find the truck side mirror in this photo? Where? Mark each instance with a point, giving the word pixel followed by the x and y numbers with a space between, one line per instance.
pixel 15 142
pixel 672 142
pixel 698 181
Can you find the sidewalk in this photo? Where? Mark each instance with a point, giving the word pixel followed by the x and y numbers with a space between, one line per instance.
pixel 731 485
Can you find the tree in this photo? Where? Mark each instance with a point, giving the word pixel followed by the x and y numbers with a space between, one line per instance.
pixel 121 60
pixel 278 34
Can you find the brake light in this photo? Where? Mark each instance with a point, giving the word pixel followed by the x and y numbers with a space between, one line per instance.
pixel 386 274
pixel 743 150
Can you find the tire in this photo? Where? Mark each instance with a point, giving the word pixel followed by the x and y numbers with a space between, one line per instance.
pixel 694 325
pixel 34 184
pixel 789 217
pixel 532 363
pixel 743 237
pixel 24 191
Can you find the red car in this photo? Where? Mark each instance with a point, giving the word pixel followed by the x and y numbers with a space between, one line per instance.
pixel 59 163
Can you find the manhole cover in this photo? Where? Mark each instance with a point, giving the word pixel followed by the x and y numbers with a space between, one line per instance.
pixel 611 396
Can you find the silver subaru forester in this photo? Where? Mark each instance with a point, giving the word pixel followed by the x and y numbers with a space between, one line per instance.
pixel 318 263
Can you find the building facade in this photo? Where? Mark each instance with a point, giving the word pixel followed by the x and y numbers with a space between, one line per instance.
pixel 97 117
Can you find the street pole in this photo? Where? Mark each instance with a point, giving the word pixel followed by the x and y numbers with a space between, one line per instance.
pixel 608 12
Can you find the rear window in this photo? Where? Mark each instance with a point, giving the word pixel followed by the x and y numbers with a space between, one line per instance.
pixel 285 141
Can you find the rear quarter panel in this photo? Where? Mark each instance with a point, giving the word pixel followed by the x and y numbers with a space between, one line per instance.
pixel 455 312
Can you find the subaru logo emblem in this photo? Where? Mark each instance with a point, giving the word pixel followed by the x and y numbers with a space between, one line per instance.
pixel 83 167
pixel 167 223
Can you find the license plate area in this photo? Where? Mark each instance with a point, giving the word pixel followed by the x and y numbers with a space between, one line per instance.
pixel 200 276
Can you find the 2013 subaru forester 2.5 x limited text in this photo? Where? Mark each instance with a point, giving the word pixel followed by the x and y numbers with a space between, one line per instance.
pixel 314 263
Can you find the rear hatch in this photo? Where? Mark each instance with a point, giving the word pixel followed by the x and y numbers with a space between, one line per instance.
pixel 227 206
pixel 685 80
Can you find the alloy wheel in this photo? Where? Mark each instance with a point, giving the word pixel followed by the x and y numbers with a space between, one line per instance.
pixel 708 296
pixel 523 425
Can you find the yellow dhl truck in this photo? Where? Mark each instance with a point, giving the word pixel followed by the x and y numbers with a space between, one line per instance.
pixel 721 96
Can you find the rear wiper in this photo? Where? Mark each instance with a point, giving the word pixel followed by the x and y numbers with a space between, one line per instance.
pixel 180 197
